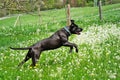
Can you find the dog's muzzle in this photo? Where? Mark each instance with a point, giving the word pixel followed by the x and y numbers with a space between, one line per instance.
pixel 78 31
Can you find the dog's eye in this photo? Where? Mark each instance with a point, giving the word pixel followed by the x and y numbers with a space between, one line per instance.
pixel 76 27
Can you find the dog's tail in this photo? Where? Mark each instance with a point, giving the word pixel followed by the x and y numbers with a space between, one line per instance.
pixel 20 48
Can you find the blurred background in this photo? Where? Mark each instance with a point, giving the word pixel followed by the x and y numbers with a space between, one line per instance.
pixel 8 7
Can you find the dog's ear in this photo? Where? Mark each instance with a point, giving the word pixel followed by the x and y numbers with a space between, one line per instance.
pixel 72 21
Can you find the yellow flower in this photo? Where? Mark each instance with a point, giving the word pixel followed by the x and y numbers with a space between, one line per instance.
pixel 107 53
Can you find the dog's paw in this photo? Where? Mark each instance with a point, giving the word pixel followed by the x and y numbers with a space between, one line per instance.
pixel 76 50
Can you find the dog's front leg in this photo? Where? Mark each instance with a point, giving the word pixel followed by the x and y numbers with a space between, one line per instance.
pixel 71 45
pixel 68 44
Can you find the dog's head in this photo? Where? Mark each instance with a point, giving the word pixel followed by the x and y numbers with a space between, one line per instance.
pixel 74 29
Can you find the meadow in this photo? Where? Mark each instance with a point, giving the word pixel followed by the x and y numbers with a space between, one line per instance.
pixel 99 46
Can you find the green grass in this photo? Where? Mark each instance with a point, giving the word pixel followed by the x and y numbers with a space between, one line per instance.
pixel 99 46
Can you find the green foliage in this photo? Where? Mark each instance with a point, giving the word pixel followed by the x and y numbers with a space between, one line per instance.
pixel 98 44
pixel 19 6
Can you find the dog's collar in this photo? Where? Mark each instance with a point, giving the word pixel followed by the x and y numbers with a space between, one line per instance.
pixel 67 30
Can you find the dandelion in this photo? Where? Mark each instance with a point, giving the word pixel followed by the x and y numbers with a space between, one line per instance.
pixel 92 74
pixel 30 67
pixel 107 54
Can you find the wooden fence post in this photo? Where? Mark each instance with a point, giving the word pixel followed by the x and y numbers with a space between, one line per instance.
pixel 95 3
pixel 17 20
pixel 100 10
pixel 39 20
pixel 68 15
pixel 38 5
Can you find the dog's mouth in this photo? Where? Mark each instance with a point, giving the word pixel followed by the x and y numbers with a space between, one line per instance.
pixel 78 32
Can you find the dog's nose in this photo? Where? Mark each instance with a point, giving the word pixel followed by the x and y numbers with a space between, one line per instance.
pixel 81 29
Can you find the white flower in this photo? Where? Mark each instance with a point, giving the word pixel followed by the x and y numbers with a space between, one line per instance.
pixel 97 34
pixel 117 57
pixel 112 75
pixel 18 78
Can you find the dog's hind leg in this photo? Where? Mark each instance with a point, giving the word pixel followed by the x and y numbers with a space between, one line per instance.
pixel 28 56
pixel 35 57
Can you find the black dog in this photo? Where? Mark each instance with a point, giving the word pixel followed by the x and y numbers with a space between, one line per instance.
pixel 58 39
